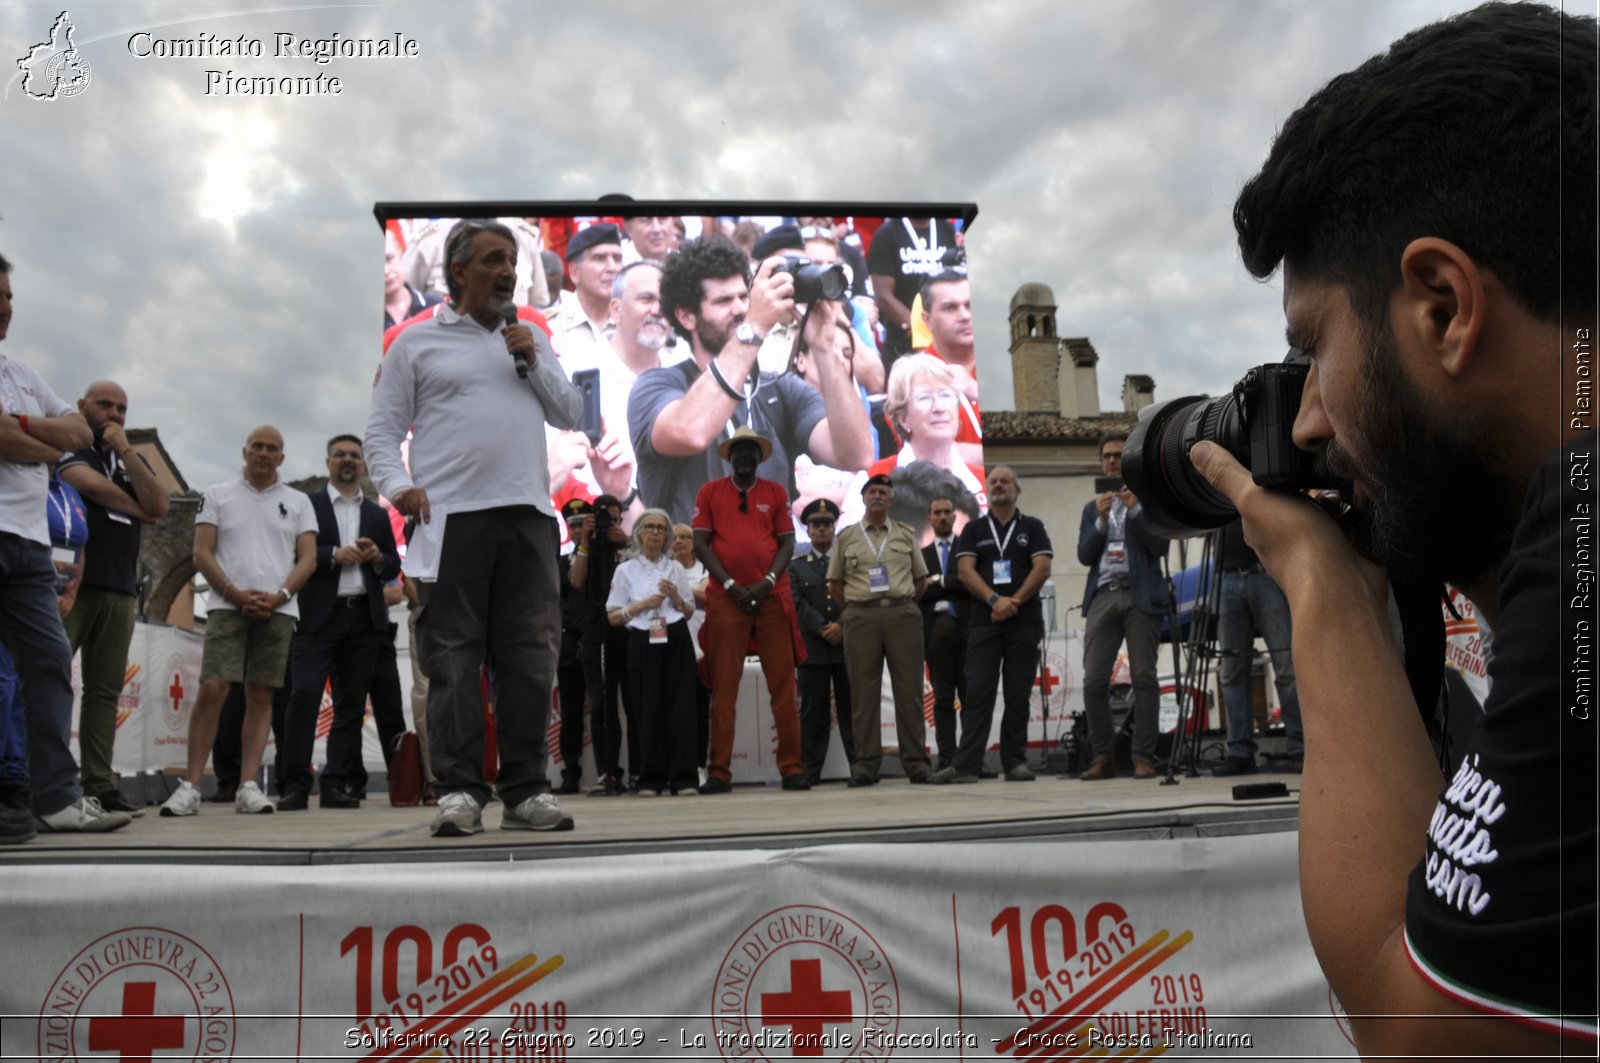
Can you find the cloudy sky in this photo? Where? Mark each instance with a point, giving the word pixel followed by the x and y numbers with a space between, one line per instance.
pixel 218 255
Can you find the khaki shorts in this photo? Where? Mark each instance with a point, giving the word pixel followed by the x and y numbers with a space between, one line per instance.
pixel 241 650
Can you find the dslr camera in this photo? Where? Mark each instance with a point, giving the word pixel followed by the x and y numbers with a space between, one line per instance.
pixel 813 283
pixel 1253 423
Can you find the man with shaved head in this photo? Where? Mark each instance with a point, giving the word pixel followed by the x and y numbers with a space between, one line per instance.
pixel 255 542
pixel 122 494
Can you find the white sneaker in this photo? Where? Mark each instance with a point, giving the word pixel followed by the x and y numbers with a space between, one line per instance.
pixel 85 815
pixel 249 800
pixel 459 815
pixel 539 812
pixel 185 801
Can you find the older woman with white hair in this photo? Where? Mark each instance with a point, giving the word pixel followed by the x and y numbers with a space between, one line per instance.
pixel 924 407
pixel 652 597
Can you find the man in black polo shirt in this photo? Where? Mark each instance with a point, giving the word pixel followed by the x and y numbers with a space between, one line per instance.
pixel 122 493
pixel 1002 559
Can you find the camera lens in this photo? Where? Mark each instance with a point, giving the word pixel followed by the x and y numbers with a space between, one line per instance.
pixel 1177 500
pixel 815 283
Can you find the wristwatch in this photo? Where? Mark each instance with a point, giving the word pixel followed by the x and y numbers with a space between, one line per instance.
pixel 746 334
pixel 288 595
pixel 728 583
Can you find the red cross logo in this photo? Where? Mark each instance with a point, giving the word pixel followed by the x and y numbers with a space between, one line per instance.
pixel 139 1031
pixel 806 1007
pixel 176 690
pixel 1047 682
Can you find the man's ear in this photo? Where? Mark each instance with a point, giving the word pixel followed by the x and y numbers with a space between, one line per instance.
pixel 1440 306
pixel 686 318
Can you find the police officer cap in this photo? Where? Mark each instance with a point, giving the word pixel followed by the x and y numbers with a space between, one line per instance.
pixel 880 478
pixel 604 233
pixel 819 506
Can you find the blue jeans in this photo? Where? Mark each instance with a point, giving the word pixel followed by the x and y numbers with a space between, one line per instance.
pixel 1252 604
pixel 31 628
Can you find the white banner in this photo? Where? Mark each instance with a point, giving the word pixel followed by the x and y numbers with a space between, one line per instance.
pixel 830 953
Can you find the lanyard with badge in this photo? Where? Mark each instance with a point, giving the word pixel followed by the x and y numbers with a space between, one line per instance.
pixel 878 574
pixel 1001 573
pixel 63 555
pixel 1116 534
pixel 114 466
pixel 658 622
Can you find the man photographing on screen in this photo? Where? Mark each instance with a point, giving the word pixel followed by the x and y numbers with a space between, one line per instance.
pixel 1434 215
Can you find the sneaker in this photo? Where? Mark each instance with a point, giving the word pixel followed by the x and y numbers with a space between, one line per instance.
pixel 645 791
pixel 715 786
pixel 84 815
pixel 113 801
pixel 249 800
pixel 1235 765
pixel 952 774
pixel 458 816
pixel 185 801
pixel 539 812
pixel 16 822
pixel 608 786
pixel 1019 773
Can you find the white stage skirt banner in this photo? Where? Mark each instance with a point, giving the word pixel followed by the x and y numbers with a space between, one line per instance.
pixel 1185 948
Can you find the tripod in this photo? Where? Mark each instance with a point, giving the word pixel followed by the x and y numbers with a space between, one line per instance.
pixel 1200 646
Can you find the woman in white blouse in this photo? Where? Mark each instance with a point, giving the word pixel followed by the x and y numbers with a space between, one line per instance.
pixel 651 596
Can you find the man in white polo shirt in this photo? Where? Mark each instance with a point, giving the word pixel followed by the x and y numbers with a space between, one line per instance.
pixel 255 542
pixel 477 394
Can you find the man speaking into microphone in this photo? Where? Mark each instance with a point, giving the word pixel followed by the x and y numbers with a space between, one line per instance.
pixel 476 390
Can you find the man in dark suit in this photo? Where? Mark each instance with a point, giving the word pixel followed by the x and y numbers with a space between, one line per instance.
pixel 944 626
pixel 1125 599
pixel 824 672
pixel 342 617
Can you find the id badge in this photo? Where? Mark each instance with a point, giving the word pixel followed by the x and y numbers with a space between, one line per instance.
pixel 120 518
pixel 658 631
pixel 878 579
pixel 1002 572
pixel 63 555
pixel 1117 553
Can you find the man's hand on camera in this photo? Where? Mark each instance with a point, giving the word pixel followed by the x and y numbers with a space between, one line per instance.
pixel 1102 505
pixel 1130 501
pixel 1299 543
pixel 771 298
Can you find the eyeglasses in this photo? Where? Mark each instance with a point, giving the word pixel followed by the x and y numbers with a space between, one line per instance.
pixel 924 400
pixel 814 232
pixel 1111 455
pixel 662 528
pixel 744 501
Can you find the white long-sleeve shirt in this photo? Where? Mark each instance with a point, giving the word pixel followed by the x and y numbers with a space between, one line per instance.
pixel 477 430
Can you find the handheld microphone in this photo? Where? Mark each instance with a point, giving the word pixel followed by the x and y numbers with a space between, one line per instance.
pixel 508 314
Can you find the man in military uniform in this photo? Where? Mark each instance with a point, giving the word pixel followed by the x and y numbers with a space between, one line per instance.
pixel 824 678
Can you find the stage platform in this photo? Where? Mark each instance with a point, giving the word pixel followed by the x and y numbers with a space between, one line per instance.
pixel 752 817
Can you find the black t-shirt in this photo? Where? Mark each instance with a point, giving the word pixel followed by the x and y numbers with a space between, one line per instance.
pixel 605 557
pixel 1024 538
pixel 786 410
pixel 1500 914
pixel 1232 551
pixel 909 256
pixel 111 558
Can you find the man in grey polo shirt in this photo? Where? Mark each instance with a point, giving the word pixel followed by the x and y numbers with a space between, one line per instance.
pixel 484 549
pixel 255 542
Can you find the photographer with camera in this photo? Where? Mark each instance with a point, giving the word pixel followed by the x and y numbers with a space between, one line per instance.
pixel 680 413
pixel 1125 599
pixel 1439 271
pixel 604 647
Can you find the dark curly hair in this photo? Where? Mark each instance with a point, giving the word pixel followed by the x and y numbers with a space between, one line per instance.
pixel 709 258
pixel 1479 129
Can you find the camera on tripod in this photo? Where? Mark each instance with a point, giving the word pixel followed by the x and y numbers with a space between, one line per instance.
pixel 1254 423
